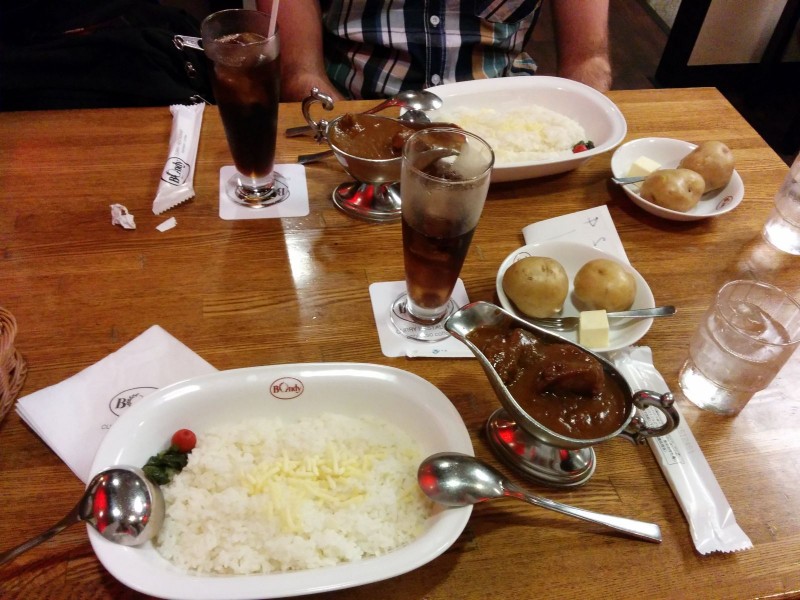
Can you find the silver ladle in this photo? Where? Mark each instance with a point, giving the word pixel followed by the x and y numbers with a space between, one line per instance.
pixel 120 502
pixel 455 479
pixel 418 100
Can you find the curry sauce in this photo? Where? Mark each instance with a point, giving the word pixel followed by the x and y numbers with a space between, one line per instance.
pixel 561 386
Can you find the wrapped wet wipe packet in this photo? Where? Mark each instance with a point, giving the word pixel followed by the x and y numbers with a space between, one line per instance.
pixel 710 516
pixel 177 178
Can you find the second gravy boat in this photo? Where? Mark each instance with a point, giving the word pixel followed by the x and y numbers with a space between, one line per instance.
pixel 374 195
pixel 535 451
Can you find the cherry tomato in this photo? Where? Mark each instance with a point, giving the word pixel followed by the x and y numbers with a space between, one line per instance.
pixel 184 440
pixel 582 146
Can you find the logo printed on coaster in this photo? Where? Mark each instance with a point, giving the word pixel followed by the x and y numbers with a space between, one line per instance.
pixel 281 188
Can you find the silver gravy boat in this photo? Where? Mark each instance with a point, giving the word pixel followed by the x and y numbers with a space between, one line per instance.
pixel 529 447
pixel 375 194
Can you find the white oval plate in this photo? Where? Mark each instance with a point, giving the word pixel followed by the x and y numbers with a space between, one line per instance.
pixel 408 401
pixel 572 256
pixel 599 116
pixel 668 153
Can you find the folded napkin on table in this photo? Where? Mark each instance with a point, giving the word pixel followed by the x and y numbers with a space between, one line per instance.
pixel 591 227
pixel 73 416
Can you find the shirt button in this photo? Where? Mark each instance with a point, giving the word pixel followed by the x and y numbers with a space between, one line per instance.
pixel 436 80
pixel 434 20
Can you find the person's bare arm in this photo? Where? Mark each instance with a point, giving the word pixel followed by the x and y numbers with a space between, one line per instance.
pixel 302 63
pixel 581 28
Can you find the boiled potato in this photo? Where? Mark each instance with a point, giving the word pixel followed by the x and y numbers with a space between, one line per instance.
pixel 603 284
pixel 675 189
pixel 537 285
pixel 713 161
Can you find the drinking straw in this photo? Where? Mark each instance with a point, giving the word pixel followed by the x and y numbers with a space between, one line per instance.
pixel 273 17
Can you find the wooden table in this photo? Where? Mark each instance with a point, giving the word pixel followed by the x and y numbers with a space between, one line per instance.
pixel 244 293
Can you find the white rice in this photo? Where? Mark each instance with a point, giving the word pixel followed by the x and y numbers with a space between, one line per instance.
pixel 268 496
pixel 534 133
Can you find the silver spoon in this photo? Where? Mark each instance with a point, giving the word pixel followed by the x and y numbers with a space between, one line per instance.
pixel 120 503
pixel 419 100
pixel 455 479
pixel 410 116
pixel 567 323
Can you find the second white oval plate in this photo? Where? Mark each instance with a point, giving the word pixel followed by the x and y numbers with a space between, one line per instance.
pixel 600 117
pixel 572 256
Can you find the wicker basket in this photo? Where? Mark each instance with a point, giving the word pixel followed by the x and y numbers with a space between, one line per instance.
pixel 12 366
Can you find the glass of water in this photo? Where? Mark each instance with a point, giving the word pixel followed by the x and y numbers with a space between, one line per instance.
pixel 782 228
pixel 745 337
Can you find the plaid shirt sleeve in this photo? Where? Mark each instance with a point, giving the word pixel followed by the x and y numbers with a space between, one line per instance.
pixel 375 48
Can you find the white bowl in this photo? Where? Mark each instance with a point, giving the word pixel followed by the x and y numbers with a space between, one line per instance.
pixel 406 400
pixel 668 153
pixel 599 116
pixel 572 256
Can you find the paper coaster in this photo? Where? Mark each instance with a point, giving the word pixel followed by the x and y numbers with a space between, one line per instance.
pixel 393 343
pixel 295 205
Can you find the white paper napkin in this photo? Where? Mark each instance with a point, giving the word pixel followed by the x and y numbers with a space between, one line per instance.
pixel 73 416
pixel 392 343
pixel 291 180
pixel 592 227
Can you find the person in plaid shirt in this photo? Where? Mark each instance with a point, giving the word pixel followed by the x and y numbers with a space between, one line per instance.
pixel 375 48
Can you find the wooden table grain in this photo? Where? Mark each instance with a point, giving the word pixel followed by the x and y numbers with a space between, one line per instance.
pixel 255 292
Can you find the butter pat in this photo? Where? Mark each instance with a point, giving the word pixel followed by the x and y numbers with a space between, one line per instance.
pixel 593 329
pixel 642 167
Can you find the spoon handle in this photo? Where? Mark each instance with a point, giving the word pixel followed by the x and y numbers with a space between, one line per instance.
pixel 305 159
pixel 72 518
pixel 299 130
pixel 643 313
pixel 649 532
pixel 626 180
pixel 304 129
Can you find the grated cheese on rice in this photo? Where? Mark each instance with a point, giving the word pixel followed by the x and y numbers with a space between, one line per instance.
pixel 270 496
pixel 520 135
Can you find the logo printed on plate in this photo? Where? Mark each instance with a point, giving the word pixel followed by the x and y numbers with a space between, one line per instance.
pixel 126 398
pixel 286 388
pixel 724 202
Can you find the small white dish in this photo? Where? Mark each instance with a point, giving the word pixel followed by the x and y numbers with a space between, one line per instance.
pixel 602 121
pixel 668 153
pixel 285 391
pixel 572 256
